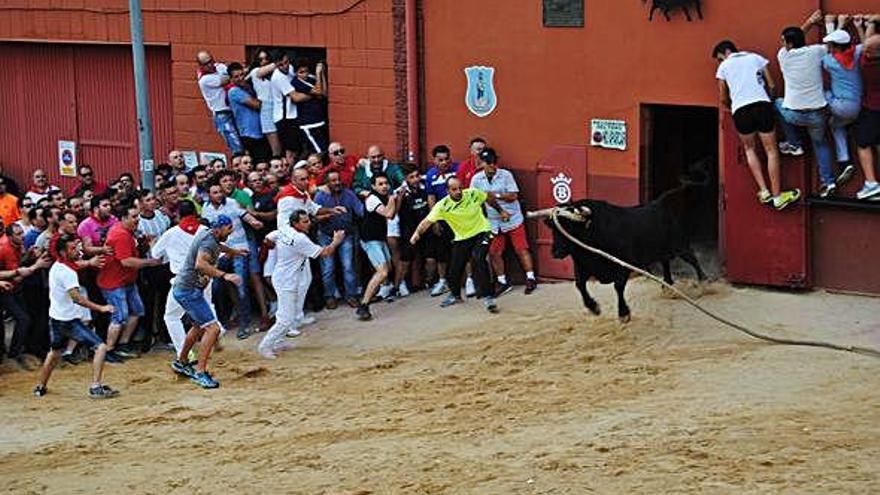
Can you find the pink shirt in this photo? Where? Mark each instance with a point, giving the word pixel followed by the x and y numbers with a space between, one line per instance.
pixel 94 230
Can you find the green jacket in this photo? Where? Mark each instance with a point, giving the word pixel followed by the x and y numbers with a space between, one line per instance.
pixel 363 174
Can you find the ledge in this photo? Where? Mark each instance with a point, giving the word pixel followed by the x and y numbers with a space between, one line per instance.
pixel 843 203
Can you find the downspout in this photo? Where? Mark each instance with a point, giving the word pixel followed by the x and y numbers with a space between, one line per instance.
pixel 412 82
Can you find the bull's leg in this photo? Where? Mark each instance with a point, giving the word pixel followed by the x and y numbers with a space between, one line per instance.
pixel 622 308
pixel 581 277
pixel 691 259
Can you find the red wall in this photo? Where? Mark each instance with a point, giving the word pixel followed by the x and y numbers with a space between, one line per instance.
pixel 358 35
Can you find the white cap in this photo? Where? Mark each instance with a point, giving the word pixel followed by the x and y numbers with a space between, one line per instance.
pixel 839 37
pixel 301 164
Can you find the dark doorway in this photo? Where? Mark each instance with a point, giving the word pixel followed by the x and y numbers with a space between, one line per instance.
pixel 681 143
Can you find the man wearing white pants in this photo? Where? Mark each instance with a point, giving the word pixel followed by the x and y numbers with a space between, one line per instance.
pixel 291 277
pixel 173 246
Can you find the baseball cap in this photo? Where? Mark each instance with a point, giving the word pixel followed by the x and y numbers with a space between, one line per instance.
pixel 839 37
pixel 301 164
pixel 221 221
pixel 488 155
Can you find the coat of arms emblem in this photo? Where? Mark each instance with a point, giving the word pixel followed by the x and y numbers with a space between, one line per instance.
pixel 480 97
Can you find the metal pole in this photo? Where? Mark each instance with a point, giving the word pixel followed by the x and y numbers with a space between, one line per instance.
pixel 142 92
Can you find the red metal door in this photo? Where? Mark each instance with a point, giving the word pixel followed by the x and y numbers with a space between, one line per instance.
pixel 562 176
pixel 758 244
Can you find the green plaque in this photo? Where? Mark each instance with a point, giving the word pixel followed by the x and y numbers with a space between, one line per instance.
pixel 563 13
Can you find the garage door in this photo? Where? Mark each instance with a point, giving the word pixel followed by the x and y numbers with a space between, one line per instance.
pixel 80 93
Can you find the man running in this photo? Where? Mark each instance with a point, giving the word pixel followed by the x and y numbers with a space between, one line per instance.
pixel 462 210
pixel 66 302
pixel 198 269
pixel 292 276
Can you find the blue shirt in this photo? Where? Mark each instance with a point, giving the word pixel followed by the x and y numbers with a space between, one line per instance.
pixel 346 198
pixel 30 238
pixel 435 182
pixel 246 118
pixel 846 84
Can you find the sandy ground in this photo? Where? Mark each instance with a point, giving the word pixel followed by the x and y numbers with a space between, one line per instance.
pixel 538 399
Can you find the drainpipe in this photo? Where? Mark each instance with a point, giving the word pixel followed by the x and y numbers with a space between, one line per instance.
pixel 412 82
pixel 142 93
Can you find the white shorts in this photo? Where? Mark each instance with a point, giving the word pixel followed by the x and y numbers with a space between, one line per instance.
pixel 394 226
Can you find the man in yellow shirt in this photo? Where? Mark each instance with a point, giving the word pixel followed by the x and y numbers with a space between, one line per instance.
pixel 462 210
pixel 9 211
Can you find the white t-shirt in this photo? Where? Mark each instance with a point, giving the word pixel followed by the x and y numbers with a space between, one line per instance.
pixel 212 89
pixel 262 86
pixel 743 73
pixel 802 71
pixel 62 278
pixel 230 208
pixel 288 205
pixel 281 87
pixel 292 252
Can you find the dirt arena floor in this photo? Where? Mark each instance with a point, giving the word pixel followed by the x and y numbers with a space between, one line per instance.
pixel 540 399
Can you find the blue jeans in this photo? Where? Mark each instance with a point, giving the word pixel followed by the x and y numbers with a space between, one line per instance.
pixel 193 302
pixel 240 265
pixel 815 121
pixel 126 301
pixel 62 331
pixel 345 252
pixel 224 122
pixel 844 113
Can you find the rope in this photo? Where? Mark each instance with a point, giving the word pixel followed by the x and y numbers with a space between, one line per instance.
pixel 752 333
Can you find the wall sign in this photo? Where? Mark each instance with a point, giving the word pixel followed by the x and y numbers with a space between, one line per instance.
pixel 563 13
pixel 67 158
pixel 207 156
pixel 191 159
pixel 608 133
pixel 561 188
pixel 480 96
pixel 666 6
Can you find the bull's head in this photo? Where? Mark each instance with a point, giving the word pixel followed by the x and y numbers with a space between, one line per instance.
pixel 575 219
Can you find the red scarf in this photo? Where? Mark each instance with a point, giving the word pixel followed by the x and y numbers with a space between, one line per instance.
pixel 189 224
pixel 290 191
pixel 847 58
pixel 33 188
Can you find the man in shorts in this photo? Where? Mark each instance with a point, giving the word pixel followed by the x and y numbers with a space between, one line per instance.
pixel 67 301
pixel 379 207
pixel 197 271
pixel 743 79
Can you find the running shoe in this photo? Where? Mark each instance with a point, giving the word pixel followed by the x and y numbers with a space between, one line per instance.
pixel 40 390
pixel 787 148
pixel 764 197
pixel 242 333
pixel 402 290
pixel 267 353
pixel 292 333
pixel 184 369
pixel 502 289
pixel 205 380
pixel 489 303
pixel 113 358
pixel 439 288
pixel 869 191
pixel 125 351
pixel 102 392
pixel 384 291
pixel 845 175
pixel 531 285
pixel 363 313
pixel 470 290
pixel 306 320
pixel 827 190
pixel 331 303
pixel 449 301
pixel 786 198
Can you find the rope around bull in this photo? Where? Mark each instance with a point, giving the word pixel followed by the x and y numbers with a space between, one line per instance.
pixel 757 335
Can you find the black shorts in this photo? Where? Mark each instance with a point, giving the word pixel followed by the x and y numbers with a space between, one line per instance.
pixel 438 247
pixel 755 117
pixel 259 149
pixel 288 134
pixel 408 252
pixel 314 139
pixel 868 128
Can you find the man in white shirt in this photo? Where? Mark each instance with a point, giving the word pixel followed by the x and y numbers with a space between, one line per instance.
pixel 284 100
pixel 40 188
pixel 66 301
pixel 212 79
pixel 804 103
pixel 744 81
pixel 292 276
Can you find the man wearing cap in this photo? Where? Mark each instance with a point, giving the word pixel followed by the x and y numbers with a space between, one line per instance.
pixel 501 183
pixel 199 267
pixel 845 93
pixel 462 210
pixel 804 104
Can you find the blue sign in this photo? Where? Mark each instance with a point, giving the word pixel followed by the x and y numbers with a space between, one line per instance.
pixel 480 97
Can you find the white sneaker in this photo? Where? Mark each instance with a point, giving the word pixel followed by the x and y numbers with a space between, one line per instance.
pixel 384 291
pixel 470 290
pixel 439 288
pixel 266 353
pixel 306 321
pixel 294 333
pixel 402 290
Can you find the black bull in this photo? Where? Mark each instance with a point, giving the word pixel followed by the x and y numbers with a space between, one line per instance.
pixel 640 235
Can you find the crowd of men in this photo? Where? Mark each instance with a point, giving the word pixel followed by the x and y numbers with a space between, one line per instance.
pixel 848 109
pixel 112 269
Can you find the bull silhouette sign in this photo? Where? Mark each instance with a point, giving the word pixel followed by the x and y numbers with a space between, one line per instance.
pixel 667 6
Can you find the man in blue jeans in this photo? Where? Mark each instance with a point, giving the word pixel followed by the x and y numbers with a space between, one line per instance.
pixel 804 104
pixel 199 267
pixel 337 195
pixel 213 78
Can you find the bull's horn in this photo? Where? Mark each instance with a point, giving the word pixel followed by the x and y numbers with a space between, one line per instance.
pixel 546 212
pixel 570 215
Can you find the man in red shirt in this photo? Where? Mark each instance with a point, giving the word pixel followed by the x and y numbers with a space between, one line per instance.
pixel 346 165
pixel 118 278
pixel 468 168
pixel 12 300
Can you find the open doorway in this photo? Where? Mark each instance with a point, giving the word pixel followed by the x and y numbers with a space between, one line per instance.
pixel 682 142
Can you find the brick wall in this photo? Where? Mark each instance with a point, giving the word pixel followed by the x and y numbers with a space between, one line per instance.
pixel 359 36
